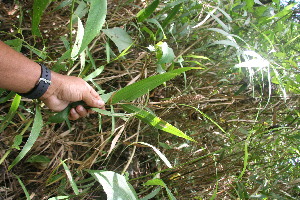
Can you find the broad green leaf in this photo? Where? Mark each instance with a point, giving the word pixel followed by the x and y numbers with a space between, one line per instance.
pixel 95 21
pixel 115 185
pixel 11 113
pixel 94 74
pixel 38 159
pixel 35 132
pixel 146 12
pixel 61 116
pixel 154 121
pixel 39 7
pixel 154 21
pixel 162 156
pixel 135 90
pixel 120 37
pixel 168 54
pixel 23 187
pixel 70 177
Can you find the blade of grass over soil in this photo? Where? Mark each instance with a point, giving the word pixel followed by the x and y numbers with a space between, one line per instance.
pixel 12 111
pixel 70 177
pixel 35 131
pixel 155 121
pixel 146 12
pixel 135 90
pixel 23 187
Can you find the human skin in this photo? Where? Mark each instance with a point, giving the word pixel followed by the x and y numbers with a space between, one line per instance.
pixel 20 74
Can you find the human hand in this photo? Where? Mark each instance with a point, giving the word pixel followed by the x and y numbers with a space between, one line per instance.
pixel 67 89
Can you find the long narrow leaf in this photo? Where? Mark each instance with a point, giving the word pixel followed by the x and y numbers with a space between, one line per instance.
pixel 145 13
pixel 70 177
pixel 95 21
pixel 162 156
pixel 12 111
pixel 142 87
pixel 155 121
pixel 23 187
pixel 39 7
pixel 36 129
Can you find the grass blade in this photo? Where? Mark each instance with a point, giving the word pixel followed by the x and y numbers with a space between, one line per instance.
pixel 23 187
pixel 94 23
pixel 36 129
pixel 69 175
pixel 39 7
pixel 12 111
pixel 155 121
pixel 146 12
pixel 162 156
pixel 142 87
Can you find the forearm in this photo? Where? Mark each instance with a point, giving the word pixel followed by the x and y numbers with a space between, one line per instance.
pixel 17 73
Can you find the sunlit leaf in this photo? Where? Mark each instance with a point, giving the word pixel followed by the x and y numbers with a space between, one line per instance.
pixel 154 121
pixel 168 54
pixel 70 177
pixel 142 87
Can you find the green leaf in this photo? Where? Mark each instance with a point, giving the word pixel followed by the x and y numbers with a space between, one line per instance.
pixel 38 159
pixel 114 185
pixel 156 181
pixel 171 15
pixel 94 23
pixel 11 113
pixel 94 74
pixel 120 37
pixel 16 44
pixel 146 12
pixel 61 116
pixel 35 131
pixel 39 7
pixel 155 121
pixel 71 180
pixel 135 90
pixel 17 141
pixel 23 187
pixel 168 54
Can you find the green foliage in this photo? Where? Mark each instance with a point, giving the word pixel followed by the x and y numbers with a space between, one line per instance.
pixel 35 131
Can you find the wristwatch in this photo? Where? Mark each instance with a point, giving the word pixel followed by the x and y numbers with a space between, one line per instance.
pixel 42 85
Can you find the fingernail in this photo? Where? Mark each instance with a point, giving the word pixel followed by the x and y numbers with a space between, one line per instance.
pixel 100 103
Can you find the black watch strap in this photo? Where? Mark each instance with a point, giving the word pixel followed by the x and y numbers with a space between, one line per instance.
pixel 42 85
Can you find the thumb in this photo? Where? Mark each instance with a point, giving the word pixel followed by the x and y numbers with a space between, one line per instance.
pixel 93 99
